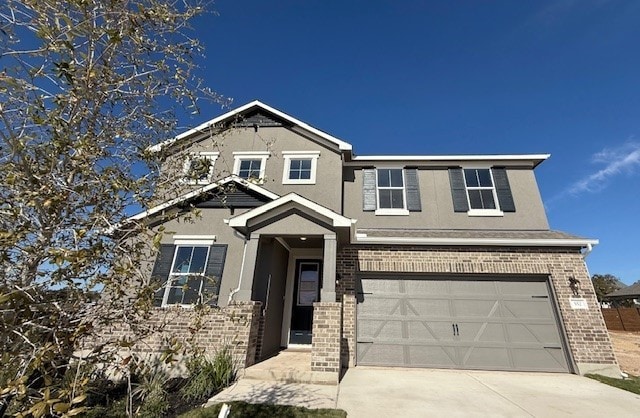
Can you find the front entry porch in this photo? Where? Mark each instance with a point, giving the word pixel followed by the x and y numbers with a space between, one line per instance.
pixel 290 266
pixel 289 366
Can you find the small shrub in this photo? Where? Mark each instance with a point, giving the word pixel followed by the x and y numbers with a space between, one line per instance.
pixel 208 377
pixel 150 390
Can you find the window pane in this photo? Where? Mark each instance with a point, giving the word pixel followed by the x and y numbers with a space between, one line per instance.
pixel 487 199
pixel 305 164
pixel 470 175
pixel 475 200
pixel 305 174
pixel 175 295
pixel 245 164
pixel 198 260
pixel 384 178
pixel 397 201
pixel 295 164
pixel 182 261
pixel 396 177
pixel 250 169
pixel 485 178
pixel 191 291
pixel 384 197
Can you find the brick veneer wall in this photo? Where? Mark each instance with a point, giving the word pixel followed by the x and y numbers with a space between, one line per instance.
pixel 587 335
pixel 325 346
pixel 235 326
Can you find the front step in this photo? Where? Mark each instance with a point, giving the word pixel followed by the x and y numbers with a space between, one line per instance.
pixel 289 366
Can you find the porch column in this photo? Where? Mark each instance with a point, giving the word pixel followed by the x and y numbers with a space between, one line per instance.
pixel 248 269
pixel 328 292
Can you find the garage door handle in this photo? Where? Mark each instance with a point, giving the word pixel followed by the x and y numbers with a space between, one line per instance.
pixel 540 297
pixel 365 293
pixel 455 330
pixel 554 348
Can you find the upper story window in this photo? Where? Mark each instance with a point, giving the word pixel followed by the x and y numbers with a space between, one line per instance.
pixel 481 191
pixel 250 165
pixel 390 185
pixel 300 167
pixel 391 191
pixel 198 167
pixel 480 188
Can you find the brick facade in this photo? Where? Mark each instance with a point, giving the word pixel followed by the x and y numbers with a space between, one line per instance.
pixel 586 334
pixel 325 346
pixel 235 326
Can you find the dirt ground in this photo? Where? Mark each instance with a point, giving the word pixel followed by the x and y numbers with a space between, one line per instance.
pixel 627 348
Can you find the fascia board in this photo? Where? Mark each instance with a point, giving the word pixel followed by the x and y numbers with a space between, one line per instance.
pixel 360 239
pixel 535 159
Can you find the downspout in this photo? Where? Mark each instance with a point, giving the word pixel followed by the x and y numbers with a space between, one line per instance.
pixel 244 253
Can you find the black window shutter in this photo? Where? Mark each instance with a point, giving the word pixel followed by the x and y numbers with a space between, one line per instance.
pixel 369 189
pixel 412 189
pixel 161 270
pixel 458 190
pixel 503 190
pixel 213 274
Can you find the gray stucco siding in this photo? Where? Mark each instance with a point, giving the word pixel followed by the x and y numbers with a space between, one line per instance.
pixel 327 188
pixel 437 205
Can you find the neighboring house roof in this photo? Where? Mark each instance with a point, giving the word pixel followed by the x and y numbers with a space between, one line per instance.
pixel 202 190
pixel 310 207
pixel 342 146
pixel 471 237
pixel 632 291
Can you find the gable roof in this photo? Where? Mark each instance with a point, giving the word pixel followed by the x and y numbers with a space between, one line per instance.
pixel 200 191
pixel 256 104
pixel 313 208
pixel 632 291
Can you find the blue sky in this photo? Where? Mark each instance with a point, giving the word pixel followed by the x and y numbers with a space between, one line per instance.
pixel 459 77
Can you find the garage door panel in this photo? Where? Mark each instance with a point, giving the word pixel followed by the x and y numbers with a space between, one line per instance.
pixel 476 324
pixel 485 357
pixel 536 359
pixel 426 287
pixel 544 334
pixel 473 287
pixel 432 356
pixel 379 329
pixel 428 308
pixel 476 308
pixel 533 308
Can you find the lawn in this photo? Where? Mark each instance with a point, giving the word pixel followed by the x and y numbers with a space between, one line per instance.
pixel 632 383
pixel 243 409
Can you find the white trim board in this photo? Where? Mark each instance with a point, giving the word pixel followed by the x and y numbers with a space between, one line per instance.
pixel 546 242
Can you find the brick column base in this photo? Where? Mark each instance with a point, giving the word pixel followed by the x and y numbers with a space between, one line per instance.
pixel 325 345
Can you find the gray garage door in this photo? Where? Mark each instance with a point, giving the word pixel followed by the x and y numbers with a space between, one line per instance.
pixel 467 323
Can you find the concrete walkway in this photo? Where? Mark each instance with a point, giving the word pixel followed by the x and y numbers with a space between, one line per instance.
pixel 395 392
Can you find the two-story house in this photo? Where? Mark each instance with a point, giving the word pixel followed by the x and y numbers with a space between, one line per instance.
pixel 418 261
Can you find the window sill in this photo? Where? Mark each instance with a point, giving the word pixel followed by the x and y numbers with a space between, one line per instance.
pixel 392 212
pixel 485 212
pixel 299 182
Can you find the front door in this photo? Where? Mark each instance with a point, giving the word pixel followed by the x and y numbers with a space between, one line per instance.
pixel 306 291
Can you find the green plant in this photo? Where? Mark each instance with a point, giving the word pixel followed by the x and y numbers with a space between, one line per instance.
pixel 150 389
pixel 207 377
pixel 631 383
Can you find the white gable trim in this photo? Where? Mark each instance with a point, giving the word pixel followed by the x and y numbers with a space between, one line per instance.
pixel 337 220
pixel 342 146
pixel 200 191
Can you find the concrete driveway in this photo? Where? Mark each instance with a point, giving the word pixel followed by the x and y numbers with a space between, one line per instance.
pixel 395 392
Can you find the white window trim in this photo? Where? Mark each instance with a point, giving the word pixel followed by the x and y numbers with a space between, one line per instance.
pixel 392 211
pixel 210 155
pixel 482 212
pixel 178 244
pixel 239 156
pixel 300 155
